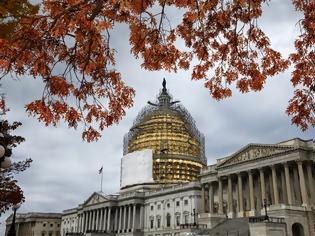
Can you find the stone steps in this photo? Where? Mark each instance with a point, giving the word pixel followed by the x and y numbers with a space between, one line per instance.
pixel 231 227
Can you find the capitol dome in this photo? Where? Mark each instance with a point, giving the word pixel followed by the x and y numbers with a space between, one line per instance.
pixel 170 132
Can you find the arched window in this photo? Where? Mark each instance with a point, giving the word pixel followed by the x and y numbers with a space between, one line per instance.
pixel 186 217
pixel 297 229
pixel 177 219
pixel 158 221
pixel 151 223
pixel 168 220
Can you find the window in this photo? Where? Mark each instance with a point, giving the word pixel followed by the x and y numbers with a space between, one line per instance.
pixel 159 223
pixel 43 234
pixel 51 225
pixel 159 207
pixel 168 205
pixel 44 225
pixel 151 223
pixel 177 220
pixel 186 202
pixel 168 220
pixel 152 207
pixel 50 234
pixel 186 219
pixel 177 203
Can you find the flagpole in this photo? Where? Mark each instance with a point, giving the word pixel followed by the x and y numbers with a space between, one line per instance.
pixel 102 181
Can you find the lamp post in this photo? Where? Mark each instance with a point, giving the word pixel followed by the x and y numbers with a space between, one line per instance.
pixel 265 206
pixel 194 214
pixel 225 209
pixel 12 231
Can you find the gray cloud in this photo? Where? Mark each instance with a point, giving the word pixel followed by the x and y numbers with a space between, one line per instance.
pixel 65 169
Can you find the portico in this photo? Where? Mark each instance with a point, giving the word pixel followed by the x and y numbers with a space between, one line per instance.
pixel 282 175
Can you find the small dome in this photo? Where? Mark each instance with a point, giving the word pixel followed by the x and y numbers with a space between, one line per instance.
pixel 169 131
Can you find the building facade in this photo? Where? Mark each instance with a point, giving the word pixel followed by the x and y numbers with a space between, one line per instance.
pixel 35 224
pixel 278 177
pixel 262 189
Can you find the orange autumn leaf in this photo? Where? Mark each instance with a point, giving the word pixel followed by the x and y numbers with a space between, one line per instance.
pixel 224 36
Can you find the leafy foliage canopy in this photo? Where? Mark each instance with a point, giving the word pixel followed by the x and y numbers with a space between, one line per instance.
pixel 224 37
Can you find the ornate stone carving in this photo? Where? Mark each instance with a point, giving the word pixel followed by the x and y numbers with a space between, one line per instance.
pixel 94 198
pixel 252 153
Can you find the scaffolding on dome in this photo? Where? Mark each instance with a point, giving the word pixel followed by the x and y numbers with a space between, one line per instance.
pixel 172 107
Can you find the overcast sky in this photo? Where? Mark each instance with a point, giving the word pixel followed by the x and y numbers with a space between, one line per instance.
pixel 64 171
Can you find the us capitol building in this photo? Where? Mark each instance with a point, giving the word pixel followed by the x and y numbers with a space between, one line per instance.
pixel 167 188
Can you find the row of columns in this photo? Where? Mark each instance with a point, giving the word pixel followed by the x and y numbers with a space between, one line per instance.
pixel 95 220
pixel 108 219
pixel 306 189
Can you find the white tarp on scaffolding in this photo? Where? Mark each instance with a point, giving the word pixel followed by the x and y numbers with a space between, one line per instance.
pixel 136 168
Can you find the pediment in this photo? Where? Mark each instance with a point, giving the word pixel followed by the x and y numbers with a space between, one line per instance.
pixel 254 151
pixel 94 199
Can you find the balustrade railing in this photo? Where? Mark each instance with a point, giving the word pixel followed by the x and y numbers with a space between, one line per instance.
pixel 259 219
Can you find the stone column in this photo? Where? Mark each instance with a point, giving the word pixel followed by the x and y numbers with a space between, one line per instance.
pixel 296 187
pixel 181 211
pixel 134 218
pixel 129 217
pixel 262 185
pixel 78 223
pixel 275 185
pixel 94 220
pixel 173 213
pixel 116 219
pixel 302 183
pixel 141 217
pixel 82 223
pixel 240 194
pixel 105 219
pixel 211 198
pixel 85 222
pixel 91 220
pixel 120 219
pixel 230 194
pixel 251 191
pixel 220 192
pixel 203 198
pixel 283 188
pixel 125 218
pixel 288 183
pixel 102 219
pixel 108 219
pixel 100 227
pixel 97 219
pixel 311 183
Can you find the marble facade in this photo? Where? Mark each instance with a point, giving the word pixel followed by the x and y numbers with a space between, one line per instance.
pixel 278 178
